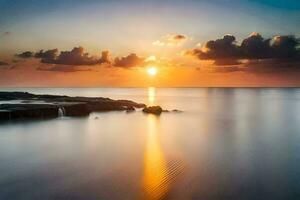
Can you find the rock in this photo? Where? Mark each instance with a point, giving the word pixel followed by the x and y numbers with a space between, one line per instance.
pixel 27 111
pixel 157 110
pixel 131 104
pixel 130 108
pixel 31 106
pixel 76 109
pixel 175 110
pixel 15 95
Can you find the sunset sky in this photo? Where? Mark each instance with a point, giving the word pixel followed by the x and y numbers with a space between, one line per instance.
pixel 114 43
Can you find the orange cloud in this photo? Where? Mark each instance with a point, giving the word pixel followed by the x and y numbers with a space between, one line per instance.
pixel 131 60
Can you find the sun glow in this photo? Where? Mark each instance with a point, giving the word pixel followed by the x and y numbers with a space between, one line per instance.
pixel 150 58
pixel 152 71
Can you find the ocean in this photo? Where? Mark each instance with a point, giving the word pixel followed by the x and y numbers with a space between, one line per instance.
pixel 227 143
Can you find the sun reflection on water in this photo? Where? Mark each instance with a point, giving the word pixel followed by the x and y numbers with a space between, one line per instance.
pixel 155 179
pixel 151 95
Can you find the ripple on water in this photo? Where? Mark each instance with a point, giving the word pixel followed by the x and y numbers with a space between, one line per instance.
pixel 160 184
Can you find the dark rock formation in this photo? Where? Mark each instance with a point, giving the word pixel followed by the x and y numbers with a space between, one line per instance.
pixel 157 110
pixel 27 111
pixel 76 109
pixel 50 106
pixel 15 95
pixel 130 109
pixel 71 106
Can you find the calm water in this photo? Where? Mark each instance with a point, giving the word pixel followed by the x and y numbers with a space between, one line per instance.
pixel 227 144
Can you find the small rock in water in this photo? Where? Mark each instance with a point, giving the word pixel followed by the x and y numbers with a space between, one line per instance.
pixel 175 110
pixel 153 110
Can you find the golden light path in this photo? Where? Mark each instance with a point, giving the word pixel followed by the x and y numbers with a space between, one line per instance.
pixel 155 178
pixel 151 95
pixel 159 175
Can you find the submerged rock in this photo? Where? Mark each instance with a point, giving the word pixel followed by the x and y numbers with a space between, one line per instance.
pixel 157 110
pixel 173 111
pixel 177 111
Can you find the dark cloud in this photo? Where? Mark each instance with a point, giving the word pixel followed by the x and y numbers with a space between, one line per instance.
pixel 256 47
pixel 105 57
pixel 26 54
pixel 77 56
pixel 285 47
pixel 228 61
pixel 179 37
pixel 271 66
pixel 48 56
pixel 171 40
pixel 131 60
pixel 253 47
pixel 224 48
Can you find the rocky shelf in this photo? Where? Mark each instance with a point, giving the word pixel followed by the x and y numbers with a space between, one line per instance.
pixel 33 106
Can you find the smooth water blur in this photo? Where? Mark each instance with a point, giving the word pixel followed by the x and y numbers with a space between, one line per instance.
pixel 226 144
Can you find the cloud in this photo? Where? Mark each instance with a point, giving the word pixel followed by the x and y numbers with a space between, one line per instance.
pixel 261 66
pixel 171 40
pixel 63 68
pixel 25 54
pixel 224 48
pixel 48 56
pixel 228 61
pixel 105 57
pixel 77 56
pixel 227 69
pixel 271 66
pixel 256 47
pixel 285 46
pixel 132 60
pixel 178 37
pixel 252 47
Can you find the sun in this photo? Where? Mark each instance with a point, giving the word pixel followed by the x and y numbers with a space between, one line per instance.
pixel 152 71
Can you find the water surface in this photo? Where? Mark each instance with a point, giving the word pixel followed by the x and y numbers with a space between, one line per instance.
pixel 227 144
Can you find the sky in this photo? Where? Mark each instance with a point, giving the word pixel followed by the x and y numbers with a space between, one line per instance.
pixel 171 36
